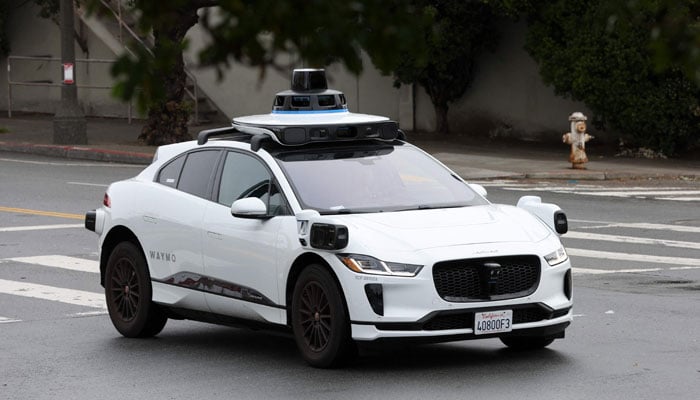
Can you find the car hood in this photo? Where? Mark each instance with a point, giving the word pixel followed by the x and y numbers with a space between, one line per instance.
pixel 426 229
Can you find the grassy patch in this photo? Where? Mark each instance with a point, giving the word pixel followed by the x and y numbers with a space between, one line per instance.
pixel 4 130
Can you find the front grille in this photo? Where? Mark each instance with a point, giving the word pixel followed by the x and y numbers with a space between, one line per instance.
pixel 483 279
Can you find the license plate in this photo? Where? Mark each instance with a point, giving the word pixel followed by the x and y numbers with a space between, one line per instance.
pixel 493 322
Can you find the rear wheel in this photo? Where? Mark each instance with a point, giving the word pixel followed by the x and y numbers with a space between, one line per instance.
pixel 128 293
pixel 319 319
pixel 527 342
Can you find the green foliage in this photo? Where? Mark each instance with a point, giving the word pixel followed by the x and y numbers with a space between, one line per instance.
pixel 264 33
pixel 319 31
pixel 605 62
pixel 461 32
pixel 674 36
pixel 50 8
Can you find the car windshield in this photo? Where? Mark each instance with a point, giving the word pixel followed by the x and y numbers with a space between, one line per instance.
pixel 373 179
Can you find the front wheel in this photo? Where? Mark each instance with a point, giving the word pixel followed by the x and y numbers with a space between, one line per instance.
pixel 523 343
pixel 319 319
pixel 128 293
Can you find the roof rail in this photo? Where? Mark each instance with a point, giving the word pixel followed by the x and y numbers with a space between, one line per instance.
pixel 204 135
pixel 257 135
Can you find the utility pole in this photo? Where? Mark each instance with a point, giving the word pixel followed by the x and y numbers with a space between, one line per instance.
pixel 69 126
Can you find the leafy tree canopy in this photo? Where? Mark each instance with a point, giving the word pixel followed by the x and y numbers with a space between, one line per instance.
pixel 461 32
pixel 263 33
pixel 606 63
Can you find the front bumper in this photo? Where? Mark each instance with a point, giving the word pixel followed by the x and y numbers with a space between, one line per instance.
pixel 402 307
pixel 443 326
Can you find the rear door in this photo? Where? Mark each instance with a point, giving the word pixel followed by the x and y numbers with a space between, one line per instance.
pixel 172 238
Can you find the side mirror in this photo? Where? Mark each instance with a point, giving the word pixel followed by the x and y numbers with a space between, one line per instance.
pixel 250 208
pixel 551 214
pixel 478 189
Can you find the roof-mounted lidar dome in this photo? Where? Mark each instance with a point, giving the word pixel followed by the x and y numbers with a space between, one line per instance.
pixel 309 93
pixel 310 112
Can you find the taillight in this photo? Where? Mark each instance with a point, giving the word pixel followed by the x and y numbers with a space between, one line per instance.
pixel 106 201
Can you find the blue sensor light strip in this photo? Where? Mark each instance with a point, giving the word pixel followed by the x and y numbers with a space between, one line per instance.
pixel 309 111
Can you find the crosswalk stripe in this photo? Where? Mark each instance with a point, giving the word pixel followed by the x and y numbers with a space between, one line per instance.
pixel 64 262
pixel 639 225
pixel 597 271
pixel 41 227
pixel 680 198
pixel 659 193
pixel 638 194
pixel 62 295
pixel 632 240
pixel 609 255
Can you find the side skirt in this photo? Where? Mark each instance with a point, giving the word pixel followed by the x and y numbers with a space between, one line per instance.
pixel 218 319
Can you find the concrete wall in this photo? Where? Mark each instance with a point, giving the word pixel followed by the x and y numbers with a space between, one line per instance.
pixel 31 35
pixel 507 97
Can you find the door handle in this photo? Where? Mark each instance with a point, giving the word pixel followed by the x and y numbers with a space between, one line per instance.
pixel 215 235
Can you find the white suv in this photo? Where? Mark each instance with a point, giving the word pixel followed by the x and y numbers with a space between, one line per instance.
pixel 327 224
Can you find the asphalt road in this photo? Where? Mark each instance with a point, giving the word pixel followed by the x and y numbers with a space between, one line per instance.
pixel 635 247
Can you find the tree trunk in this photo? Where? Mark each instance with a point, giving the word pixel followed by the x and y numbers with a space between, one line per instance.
pixel 441 123
pixel 167 121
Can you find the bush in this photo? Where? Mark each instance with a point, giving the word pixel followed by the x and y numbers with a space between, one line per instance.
pixel 592 55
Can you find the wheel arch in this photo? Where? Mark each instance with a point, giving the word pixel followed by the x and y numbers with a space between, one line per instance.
pixel 116 235
pixel 298 266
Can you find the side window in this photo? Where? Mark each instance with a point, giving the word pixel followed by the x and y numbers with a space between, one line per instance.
pixel 244 176
pixel 169 174
pixel 197 172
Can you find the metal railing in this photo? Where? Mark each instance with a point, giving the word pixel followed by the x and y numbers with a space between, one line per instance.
pixel 11 83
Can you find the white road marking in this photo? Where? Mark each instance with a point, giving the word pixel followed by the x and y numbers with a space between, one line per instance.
pixel 639 193
pixel 5 320
pixel 658 193
pixel 679 198
pixel 609 255
pixel 88 314
pixel 63 262
pixel 638 225
pixel 632 240
pixel 72 164
pixel 43 292
pixel 87 184
pixel 596 271
pixel 41 227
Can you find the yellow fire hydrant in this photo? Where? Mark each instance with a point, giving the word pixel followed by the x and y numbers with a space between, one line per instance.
pixel 577 138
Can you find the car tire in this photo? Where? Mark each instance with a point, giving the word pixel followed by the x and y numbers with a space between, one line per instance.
pixel 319 319
pixel 524 343
pixel 128 293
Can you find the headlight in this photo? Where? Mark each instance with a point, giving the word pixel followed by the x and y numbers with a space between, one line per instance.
pixel 370 265
pixel 556 257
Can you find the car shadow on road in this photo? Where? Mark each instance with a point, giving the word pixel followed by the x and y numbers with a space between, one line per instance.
pixel 194 342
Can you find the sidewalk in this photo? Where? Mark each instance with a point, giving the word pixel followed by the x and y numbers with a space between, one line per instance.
pixel 114 140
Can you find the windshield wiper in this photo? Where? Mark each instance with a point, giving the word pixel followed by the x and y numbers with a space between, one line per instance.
pixel 348 211
pixel 431 207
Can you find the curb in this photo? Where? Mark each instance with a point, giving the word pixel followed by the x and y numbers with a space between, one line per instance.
pixel 79 153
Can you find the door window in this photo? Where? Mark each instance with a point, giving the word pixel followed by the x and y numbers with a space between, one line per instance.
pixel 244 176
pixel 197 173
